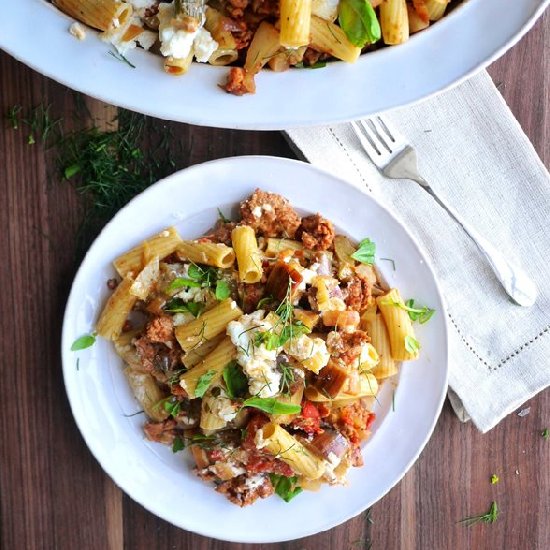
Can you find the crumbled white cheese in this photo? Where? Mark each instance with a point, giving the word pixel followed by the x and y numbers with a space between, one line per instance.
pixel 253 482
pixel 368 357
pixel 182 318
pixel 331 463
pixel 325 9
pixel 259 440
pixel 223 407
pixel 190 293
pixel 116 23
pixel 179 43
pixel 77 30
pixel 204 45
pixel 258 363
pixel 146 39
pixel 267 207
pixel 257 211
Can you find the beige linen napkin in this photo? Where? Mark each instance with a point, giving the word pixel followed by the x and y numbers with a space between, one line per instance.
pixel 476 157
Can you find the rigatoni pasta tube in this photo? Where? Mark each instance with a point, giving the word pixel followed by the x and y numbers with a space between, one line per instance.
pixel 398 323
pixel 436 8
pixel 286 447
pixel 197 354
pixel 209 421
pixel 214 361
pixel 295 22
pixel 249 261
pixel 116 310
pixel 214 254
pixel 147 393
pixel 264 45
pixel 394 21
pixel 376 329
pixel 178 66
pixel 330 38
pixel 160 245
pixel 104 15
pixel 208 325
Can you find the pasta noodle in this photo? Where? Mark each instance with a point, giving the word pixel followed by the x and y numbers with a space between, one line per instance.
pixel 192 335
pixel 248 255
pixel 394 21
pixel 103 15
pixel 214 254
pixel 295 23
pixel 330 38
pixel 398 324
pixel 116 311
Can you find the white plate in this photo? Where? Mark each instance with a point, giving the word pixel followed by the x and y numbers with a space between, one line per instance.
pixel 469 38
pixel 163 482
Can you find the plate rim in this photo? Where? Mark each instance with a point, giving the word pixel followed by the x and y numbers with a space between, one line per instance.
pixel 203 117
pixel 66 343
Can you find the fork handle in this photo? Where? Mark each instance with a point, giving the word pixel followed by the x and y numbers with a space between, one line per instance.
pixel 515 281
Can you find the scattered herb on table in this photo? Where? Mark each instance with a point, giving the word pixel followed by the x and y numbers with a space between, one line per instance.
pixel 490 517
pixel 494 479
pixel 545 433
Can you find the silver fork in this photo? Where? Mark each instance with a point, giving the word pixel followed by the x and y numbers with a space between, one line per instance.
pixel 396 159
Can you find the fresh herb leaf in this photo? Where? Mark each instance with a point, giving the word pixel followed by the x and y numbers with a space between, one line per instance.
pixel 178 444
pixel 204 382
pixel 490 517
pixel 494 479
pixel 222 217
pixel 293 331
pixel 287 378
pixel 120 57
pixel 181 282
pixel 177 305
pixel 270 405
pixel 172 406
pixel 422 314
pixel 235 380
pixel 195 308
pixel 412 345
pixel 71 171
pixel 545 433
pixel 195 272
pixel 85 341
pixel 358 20
pixel 223 290
pixel 285 487
pixel 365 252
pixel 13 116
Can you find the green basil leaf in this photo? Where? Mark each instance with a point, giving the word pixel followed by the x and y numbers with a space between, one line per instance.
pixel 412 345
pixel 270 405
pixel 83 342
pixel 422 314
pixel 358 20
pixel 365 253
pixel 285 487
pixel 204 382
pixel 235 380
pixel 178 444
pixel 223 290
pixel 195 272
pixel 172 406
pixel 195 308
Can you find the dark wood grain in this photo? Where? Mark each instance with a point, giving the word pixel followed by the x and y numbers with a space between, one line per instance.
pixel 53 493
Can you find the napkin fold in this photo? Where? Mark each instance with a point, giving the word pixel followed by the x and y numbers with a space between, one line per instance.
pixel 478 160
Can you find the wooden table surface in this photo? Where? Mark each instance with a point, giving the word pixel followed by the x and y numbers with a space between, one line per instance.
pixel 53 493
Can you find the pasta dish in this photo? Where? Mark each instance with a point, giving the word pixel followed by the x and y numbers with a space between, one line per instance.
pixel 248 35
pixel 259 347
